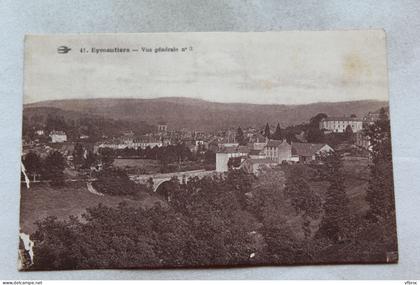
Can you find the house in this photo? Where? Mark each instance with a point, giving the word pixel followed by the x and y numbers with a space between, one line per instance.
pixel 166 141
pixel 58 136
pixel 256 153
pixel 65 148
pixel 278 151
pixel 190 144
pixel 258 141
pixel 253 165
pixel 363 141
pixel 339 124
pixel 111 143
pixel 147 141
pixel 227 144
pixel 372 117
pixel 223 156
pixel 307 152
pixel 130 142
pixel 162 127
pixel 243 149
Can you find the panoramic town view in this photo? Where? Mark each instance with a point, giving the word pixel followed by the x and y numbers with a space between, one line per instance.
pixel 115 183
pixel 206 150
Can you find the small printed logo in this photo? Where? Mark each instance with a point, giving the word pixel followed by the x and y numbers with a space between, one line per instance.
pixel 63 49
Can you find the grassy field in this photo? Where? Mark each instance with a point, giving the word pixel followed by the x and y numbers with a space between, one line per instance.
pixel 42 200
pixel 137 166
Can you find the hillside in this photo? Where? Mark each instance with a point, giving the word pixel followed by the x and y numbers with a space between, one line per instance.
pixel 75 123
pixel 201 114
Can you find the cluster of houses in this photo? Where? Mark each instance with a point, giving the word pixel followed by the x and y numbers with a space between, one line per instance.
pixel 262 151
pixel 268 153
pixel 258 151
pixel 130 141
pixel 194 140
pixel 357 125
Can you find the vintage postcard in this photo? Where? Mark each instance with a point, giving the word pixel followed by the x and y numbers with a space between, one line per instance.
pixel 222 149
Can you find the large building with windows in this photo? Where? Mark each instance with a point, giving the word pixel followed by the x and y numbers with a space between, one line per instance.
pixel 339 124
pixel 162 127
pixel 278 151
pixel 58 137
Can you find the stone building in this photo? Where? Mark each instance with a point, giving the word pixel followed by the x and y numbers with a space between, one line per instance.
pixel 278 151
pixel 58 137
pixel 339 124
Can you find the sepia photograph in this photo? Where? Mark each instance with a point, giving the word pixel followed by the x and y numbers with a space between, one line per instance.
pixel 206 150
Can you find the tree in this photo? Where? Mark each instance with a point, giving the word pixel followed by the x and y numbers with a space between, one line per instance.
pixel 277 135
pixel 53 168
pixel 267 132
pixel 383 117
pixel 240 137
pixel 349 130
pixel 349 133
pixel 120 237
pixel 33 164
pixel 106 156
pixel 90 160
pixel 304 200
pixel 115 182
pixel 380 218
pixel 335 224
pixel 210 156
pixel 314 134
pixel 380 194
pixel 314 121
pixel 78 155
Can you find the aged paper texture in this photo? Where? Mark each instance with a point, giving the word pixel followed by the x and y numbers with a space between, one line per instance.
pixel 218 149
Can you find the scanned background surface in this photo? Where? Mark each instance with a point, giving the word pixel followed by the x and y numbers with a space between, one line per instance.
pixel 400 19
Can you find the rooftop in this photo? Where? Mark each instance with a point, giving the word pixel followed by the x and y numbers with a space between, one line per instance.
pixel 275 143
pixel 306 149
pixel 342 119
pixel 259 160
pixel 234 149
pixel 57 133
pixel 256 151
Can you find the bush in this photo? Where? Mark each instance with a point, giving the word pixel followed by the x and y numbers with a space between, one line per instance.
pixel 115 182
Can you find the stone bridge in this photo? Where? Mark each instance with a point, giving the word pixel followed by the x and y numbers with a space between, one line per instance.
pixel 160 178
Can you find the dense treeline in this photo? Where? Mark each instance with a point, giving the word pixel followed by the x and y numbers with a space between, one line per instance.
pixel 49 168
pixel 380 195
pixel 169 157
pixel 308 132
pixel 115 182
pixel 209 221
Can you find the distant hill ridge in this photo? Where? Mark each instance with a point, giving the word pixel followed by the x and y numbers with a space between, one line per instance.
pixel 184 112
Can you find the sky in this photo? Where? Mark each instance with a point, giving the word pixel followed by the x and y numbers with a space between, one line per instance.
pixel 293 67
